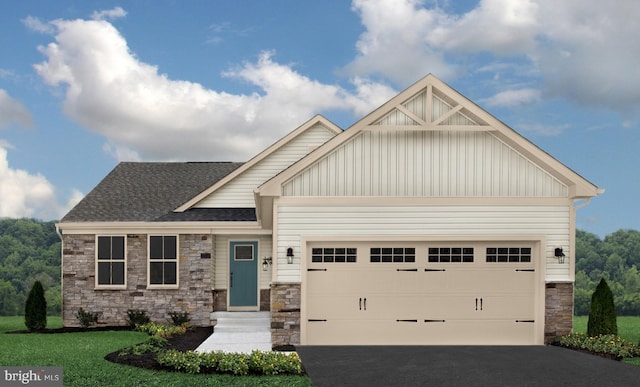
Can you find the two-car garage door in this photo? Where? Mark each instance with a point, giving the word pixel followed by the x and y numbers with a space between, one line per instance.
pixel 367 293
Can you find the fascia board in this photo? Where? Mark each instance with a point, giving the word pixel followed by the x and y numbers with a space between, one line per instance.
pixel 68 228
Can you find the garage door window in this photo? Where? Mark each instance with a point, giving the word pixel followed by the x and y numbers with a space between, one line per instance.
pixel 393 254
pixel 509 254
pixel 334 254
pixel 451 254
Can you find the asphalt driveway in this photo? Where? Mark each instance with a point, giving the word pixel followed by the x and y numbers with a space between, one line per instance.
pixel 462 366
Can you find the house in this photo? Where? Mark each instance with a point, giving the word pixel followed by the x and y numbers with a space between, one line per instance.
pixel 428 221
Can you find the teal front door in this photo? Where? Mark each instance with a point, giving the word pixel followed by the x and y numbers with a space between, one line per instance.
pixel 243 275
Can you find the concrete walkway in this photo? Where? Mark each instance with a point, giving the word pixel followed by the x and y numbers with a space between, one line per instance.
pixel 241 332
pixel 462 366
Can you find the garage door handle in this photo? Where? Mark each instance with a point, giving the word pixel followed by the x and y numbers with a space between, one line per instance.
pixel 406 269
pixel 360 303
pixel 526 321
pixel 531 270
pixel 429 321
pixel 316 320
pixel 316 269
pixel 480 304
pixel 365 303
pixel 434 269
pixel 415 321
pixel 476 304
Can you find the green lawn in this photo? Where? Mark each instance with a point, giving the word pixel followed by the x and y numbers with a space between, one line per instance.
pixel 82 357
pixel 628 327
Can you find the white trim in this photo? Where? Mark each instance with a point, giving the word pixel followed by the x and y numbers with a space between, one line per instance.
pixel 151 286
pixel 110 287
pixel 69 228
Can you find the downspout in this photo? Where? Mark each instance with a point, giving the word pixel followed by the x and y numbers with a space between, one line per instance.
pixel 59 232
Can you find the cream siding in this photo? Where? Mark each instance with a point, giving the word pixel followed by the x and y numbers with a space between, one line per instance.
pixel 239 191
pixel 221 260
pixel 425 164
pixel 549 223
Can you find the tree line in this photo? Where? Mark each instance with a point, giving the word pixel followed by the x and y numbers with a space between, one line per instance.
pixel 616 258
pixel 30 251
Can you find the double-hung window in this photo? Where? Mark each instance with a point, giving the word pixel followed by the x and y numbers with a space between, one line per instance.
pixel 163 261
pixel 111 269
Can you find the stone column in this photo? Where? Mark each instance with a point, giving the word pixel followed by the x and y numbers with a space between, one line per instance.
pixel 558 310
pixel 285 314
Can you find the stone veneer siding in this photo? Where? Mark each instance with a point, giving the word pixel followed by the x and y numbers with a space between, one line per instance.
pixel 285 314
pixel 558 310
pixel 220 300
pixel 193 295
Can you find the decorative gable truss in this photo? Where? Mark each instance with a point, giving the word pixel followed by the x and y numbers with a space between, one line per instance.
pixel 430 141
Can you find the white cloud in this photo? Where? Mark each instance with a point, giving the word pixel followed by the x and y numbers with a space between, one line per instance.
pixel 145 115
pixel 582 50
pixel 547 130
pixel 29 195
pixel 13 111
pixel 114 13
pixel 394 43
pixel 510 98
pixel 37 25
pixel 23 194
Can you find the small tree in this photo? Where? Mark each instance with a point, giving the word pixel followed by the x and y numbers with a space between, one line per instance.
pixel 602 315
pixel 35 310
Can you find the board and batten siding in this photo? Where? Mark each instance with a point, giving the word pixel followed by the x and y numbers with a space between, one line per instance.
pixel 239 192
pixel 425 164
pixel 221 260
pixel 468 222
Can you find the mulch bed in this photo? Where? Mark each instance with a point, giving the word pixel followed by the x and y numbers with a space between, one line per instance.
pixel 189 341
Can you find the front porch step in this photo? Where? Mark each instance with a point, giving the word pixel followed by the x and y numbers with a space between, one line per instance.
pixel 240 332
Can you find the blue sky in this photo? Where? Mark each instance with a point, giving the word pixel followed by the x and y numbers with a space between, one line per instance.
pixel 86 84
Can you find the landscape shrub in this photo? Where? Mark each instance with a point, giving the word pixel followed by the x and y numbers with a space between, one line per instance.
pixel 152 344
pixel 180 318
pixel 161 330
pixel 35 310
pixel 257 362
pixel 612 345
pixel 137 317
pixel 602 315
pixel 87 319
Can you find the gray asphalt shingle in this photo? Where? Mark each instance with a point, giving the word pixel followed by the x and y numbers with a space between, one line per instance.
pixel 146 192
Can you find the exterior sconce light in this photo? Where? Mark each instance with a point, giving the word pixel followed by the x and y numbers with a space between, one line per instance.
pixel 266 261
pixel 290 255
pixel 559 254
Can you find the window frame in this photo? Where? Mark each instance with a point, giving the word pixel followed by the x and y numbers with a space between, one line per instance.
pixel 110 286
pixel 163 260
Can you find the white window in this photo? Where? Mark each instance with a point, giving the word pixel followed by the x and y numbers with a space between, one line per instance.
pixel 111 268
pixel 163 261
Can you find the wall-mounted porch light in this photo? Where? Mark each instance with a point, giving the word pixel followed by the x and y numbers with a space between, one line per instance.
pixel 290 255
pixel 266 261
pixel 559 254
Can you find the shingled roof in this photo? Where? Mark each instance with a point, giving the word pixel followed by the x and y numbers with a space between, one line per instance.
pixel 148 192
